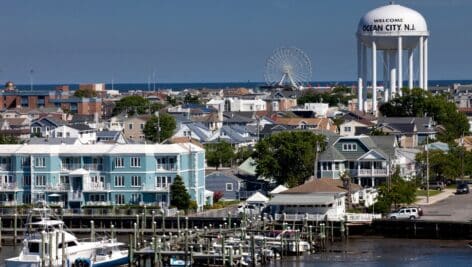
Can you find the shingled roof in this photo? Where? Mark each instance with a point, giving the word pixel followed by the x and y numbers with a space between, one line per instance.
pixel 324 185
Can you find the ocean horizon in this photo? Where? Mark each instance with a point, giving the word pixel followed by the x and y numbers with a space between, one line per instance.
pixel 211 85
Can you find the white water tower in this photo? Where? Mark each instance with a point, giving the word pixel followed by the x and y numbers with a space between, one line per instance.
pixel 392 30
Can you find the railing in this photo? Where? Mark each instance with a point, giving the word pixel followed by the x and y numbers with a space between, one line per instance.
pixel 75 196
pixel 362 217
pixel 70 166
pixel 5 167
pixel 166 167
pixel 92 166
pixel 156 188
pixel 8 203
pixel 56 203
pixel 301 217
pixel 59 187
pixel 96 186
pixel 371 172
pixel 98 203
pixel 350 217
pixel 8 186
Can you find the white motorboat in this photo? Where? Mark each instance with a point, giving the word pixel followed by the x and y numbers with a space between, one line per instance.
pixel 108 254
pixel 48 244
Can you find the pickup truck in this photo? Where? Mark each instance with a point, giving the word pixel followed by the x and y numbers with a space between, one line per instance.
pixel 434 186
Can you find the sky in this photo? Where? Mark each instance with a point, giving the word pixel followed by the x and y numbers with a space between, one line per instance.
pixel 205 40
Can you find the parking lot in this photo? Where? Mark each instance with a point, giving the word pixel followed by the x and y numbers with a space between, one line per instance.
pixel 453 208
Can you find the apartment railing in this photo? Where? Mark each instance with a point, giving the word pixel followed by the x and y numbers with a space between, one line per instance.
pixel 8 186
pixel 96 186
pixel 160 188
pixel 5 167
pixel 166 167
pixel 75 196
pixel 58 187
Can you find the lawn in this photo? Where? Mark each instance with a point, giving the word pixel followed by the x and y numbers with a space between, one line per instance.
pixel 422 193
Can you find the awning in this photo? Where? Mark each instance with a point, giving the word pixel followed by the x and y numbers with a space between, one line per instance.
pixel 54 195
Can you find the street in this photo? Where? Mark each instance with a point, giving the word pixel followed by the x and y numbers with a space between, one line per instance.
pixel 453 208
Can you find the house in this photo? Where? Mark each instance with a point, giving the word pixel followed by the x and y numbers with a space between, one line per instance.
pixel 409 131
pixel 282 100
pixel 194 130
pixel 307 123
pixel 42 127
pixel 111 137
pixel 236 135
pixel 320 199
pixel 133 128
pixel 225 183
pixel 368 160
pixel 17 127
pixel 351 127
pixel 73 176
pixel 405 162
pixel 84 133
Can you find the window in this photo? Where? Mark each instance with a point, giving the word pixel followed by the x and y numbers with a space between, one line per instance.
pixel 135 197
pixel 119 163
pixel 163 181
pixel 40 162
pixel 119 199
pixel 135 162
pixel 229 187
pixel 26 180
pixel 25 161
pixel 347 128
pixel 130 126
pixel 97 197
pixel 349 147
pixel 119 181
pixel 142 126
pixel 135 180
pixel 59 134
pixel 40 181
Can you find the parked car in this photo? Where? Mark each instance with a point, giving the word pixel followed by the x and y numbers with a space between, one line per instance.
pixel 462 188
pixel 248 209
pixel 405 213
pixel 420 210
pixel 434 186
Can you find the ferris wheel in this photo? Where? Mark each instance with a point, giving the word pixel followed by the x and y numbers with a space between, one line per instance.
pixel 288 67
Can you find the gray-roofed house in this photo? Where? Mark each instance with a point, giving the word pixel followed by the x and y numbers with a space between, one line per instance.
pixel 111 137
pixel 84 133
pixel 42 127
pixel 409 131
pixel 367 160
pixel 226 183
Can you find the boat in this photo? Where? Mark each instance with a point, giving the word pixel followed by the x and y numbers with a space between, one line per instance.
pixel 48 243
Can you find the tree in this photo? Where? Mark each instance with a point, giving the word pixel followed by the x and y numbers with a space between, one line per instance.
pixel 242 154
pixel 219 154
pixel 217 196
pixel 85 93
pixel 288 157
pixel 8 139
pixel 418 103
pixel 441 165
pixel 191 99
pixel 132 104
pixel 179 197
pixel 167 126
pixel 400 192
pixel 339 95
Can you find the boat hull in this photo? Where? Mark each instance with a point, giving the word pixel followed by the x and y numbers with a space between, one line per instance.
pixel 112 262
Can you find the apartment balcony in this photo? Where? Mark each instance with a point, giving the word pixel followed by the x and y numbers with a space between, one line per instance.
pixel 58 187
pixel 369 172
pixel 166 167
pixel 77 196
pixel 56 204
pixel 98 203
pixel 93 166
pixel 8 187
pixel 70 166
pixel 4 167
pixel 96 186
pixel 11 203
pixel 160 188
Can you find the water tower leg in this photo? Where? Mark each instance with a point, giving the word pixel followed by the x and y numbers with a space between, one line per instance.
pixel 374 78
pixel 410 69
pixel 421 63
pixel 400 65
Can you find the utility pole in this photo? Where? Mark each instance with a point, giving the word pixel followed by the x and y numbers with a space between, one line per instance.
pixel 315 167
pixel 158 127
pixel 427 170
pixel 462 157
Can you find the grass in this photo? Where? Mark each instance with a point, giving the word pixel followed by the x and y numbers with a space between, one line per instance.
pixel 422 193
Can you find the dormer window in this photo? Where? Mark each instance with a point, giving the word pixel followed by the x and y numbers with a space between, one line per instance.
pixel 349 147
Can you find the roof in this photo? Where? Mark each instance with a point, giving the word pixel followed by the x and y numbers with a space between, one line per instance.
pixel 248 167
pixel 52 141
pixel 81 127
pixel 223 175
pixel 99 149
pixel 278 189
pixel 421 123
pixel 302 199
pixel 331 154
pixel 108 134
pixel 324 185
pixel 257 198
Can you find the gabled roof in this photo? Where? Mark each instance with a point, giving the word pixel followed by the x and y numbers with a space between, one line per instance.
pixel 108 134
pixel 331 154
pixel 49 121
pixel 53 141
pixel 279 189
pixel 81 127
pixel 324 185
pixel 257 197
pixel 223 176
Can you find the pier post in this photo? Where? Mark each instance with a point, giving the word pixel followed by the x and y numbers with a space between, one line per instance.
pixel 50 244
pixel 229 219
pixel 1 233
pixel 143 223
pixel 163 222
pixel 135 235
pixel 131 250
pixel 15 223
pixel 63 247
pixel 222 247
pixel 92 231
pixel 57 247
pixel 43 249
pixel 178 222
pixel 230 256
pixel 154 226
pixel 186 243
pixel 112 227
pixel 253 251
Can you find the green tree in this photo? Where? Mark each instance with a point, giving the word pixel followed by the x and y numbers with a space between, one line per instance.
pixel 191 99
pixel 288 157
pixel 339 95
pixel 400 192
pixel 242 154
pixel 219 154
pixel 179 197
pixel 442 165
pixel 132 104
pixel 167 126
pixel 418 103
pixel 171 100
pixel 85 93
pixel 8 139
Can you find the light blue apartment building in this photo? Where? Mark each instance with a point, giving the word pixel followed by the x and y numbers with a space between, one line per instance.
pixel 72 176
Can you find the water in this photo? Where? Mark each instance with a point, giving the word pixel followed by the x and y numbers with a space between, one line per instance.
pixel 181 86
pixel 388 252
pixel 369 251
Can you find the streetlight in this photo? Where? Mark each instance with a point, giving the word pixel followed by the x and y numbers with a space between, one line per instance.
pixel 427 170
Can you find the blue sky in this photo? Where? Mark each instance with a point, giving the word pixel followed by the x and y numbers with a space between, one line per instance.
pixel 205 40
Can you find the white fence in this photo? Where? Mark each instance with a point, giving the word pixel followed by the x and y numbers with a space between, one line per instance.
pixel 349 217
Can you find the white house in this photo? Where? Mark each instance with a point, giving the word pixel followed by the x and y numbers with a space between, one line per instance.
pixel 348 128
pixel 84 133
